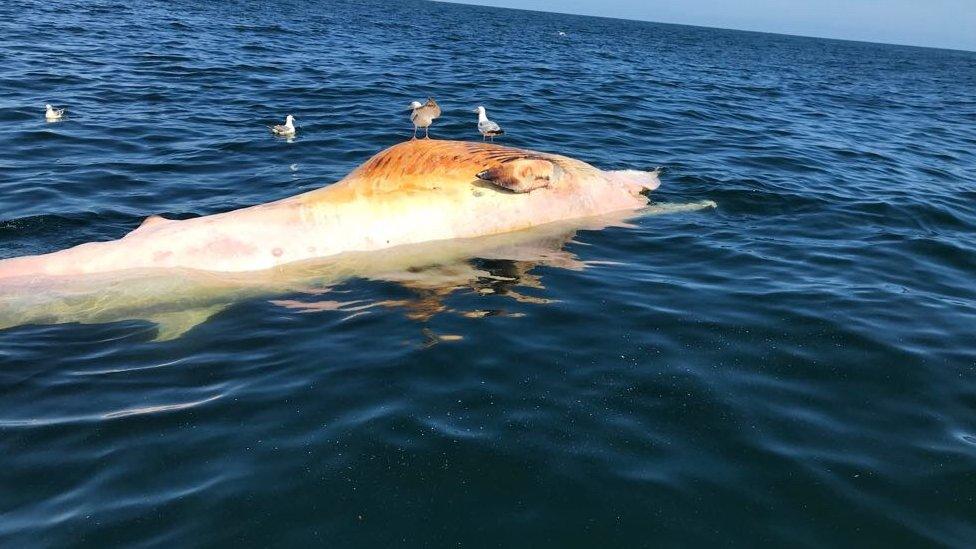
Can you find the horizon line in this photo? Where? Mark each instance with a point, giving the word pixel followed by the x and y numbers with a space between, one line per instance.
pixel 855 40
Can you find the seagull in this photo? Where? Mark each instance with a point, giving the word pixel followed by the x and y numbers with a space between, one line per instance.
pixel 423 116
pixel 52 114
pixel 488 129
pixel 285 130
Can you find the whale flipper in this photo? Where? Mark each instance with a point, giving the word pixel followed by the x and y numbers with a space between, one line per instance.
pixel 172 325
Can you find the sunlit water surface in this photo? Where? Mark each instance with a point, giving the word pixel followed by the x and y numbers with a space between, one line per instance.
pixel 794 367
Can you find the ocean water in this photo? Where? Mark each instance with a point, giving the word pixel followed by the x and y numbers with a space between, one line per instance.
pixel 796 367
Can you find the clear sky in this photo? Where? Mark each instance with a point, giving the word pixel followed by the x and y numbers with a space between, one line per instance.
pixel 937 23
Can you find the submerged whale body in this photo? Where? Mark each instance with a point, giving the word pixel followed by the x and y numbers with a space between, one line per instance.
pixel 413 192
pixel 418 214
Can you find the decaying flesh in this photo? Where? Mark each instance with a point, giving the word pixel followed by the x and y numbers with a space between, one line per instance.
pixel 418 191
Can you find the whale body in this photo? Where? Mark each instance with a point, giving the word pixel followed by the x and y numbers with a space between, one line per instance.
pixel 175 301
pixel 413 192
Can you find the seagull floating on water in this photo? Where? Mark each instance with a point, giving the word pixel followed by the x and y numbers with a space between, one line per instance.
pixel 488 129
pixel 424 115
pixel 287 129
pixel 52 114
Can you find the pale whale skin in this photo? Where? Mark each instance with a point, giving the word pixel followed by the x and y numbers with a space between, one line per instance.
pixel 414 192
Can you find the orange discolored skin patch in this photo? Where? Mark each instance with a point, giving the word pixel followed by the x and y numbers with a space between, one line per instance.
pixel 420 165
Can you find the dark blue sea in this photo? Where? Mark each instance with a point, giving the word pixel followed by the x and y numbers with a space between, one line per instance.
pixel 793 368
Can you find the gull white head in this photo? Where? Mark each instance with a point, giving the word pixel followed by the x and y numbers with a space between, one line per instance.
pixel 289 120
pixel 48 107
pixel 415 105
pixel 481 112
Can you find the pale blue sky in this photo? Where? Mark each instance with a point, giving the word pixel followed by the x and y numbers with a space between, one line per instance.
pixel 937 23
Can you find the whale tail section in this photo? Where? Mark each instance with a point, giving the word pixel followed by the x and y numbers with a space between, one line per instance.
pixel 41 301
pixel 72 261
pixel 17 267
